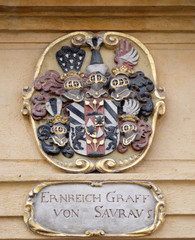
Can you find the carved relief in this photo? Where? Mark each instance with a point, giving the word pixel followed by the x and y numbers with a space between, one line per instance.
pixel 93 114
pixel 130 208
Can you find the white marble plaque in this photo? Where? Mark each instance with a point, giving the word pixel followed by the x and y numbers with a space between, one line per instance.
pixel 90 208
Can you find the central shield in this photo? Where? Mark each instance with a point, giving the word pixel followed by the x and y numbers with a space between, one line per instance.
pixel 94 129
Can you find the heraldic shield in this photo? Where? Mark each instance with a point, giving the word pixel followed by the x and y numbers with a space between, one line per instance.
pixel 94 129
pixel 94 102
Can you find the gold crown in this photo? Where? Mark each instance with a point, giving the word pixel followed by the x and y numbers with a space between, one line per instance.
pixel 72 80
pixel 58 119
pixel 72 74
pixel 122 70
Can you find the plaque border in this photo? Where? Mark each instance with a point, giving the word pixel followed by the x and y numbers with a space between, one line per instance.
pixel 35 227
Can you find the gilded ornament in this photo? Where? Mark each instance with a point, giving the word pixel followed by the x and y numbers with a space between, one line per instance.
pixel 89 113
pixel 135 208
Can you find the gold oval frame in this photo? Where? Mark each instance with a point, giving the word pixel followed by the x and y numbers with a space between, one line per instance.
pixel 82 164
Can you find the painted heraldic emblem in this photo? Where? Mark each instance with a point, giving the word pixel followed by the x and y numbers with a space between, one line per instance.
pixel 94 102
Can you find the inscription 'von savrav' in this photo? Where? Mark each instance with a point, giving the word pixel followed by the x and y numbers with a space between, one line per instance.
pixel 72 209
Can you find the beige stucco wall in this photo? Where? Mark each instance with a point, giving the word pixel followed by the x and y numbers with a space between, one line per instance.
pixel 167 29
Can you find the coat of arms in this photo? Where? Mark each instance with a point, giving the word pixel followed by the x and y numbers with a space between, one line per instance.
pixel 94 103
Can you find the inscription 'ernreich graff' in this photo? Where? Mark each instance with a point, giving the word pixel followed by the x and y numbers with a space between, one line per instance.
pixel 72 208
pixel 112 196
